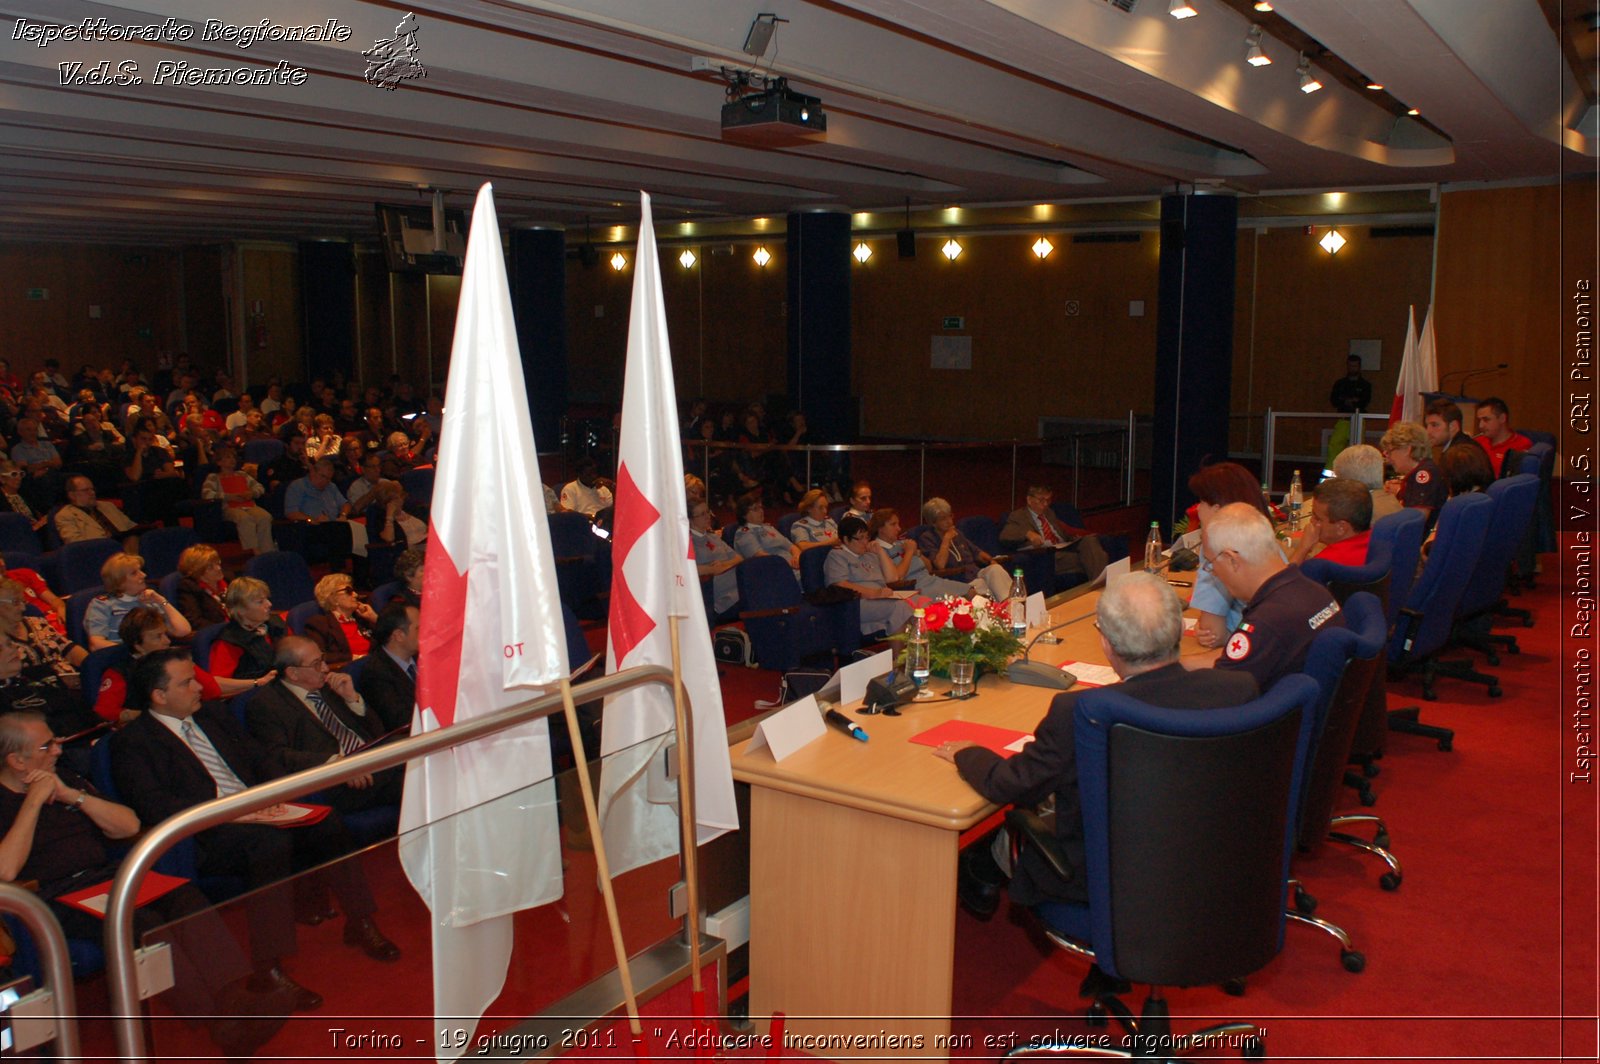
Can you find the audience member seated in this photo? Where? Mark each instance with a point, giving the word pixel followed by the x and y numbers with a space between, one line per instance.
pixel 1140 621
pixel 389 677
pixel 1363 463
pixel 902 560
pixel 1033 525
pixel 362 492
pixel 715 559
pixel 1494 432
pixel 41 690
pixel 326 441
pixel 343 630
pixel 244 647
pixel 289 466
pixel 1467 469
pixel 408 569
pixel 238 492
pixel 11 498
pixel 95 439
pixel 1341 524
pixel 45 651
pixel 201 587
pixel 399 456
pixel 39 599
pixel 856 566
pixel 39 459
pixel 144 630
pixel 254 428
pixel 316 500
pixel 589 493
pixel 754 537
pixel 860 502
pixel 395 525
pixel 1283 608
pixel 179 752
pixel 1442 420
pixel 87 517
pixel 125 588
pixel 814 528
pixel 955 557
pixel 57 833
pixel 311 715
pixel 1215 486
pixel 1419 484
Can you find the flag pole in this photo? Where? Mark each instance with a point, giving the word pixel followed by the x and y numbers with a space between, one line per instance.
pixel 691 855
pixel 601 864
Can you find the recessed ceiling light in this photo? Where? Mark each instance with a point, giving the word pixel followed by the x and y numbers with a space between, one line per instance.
pixel 1181 9
pixel 1374 86
pixel 1263 6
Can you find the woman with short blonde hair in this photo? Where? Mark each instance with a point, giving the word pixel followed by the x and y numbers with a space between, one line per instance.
pixel 123 576
pixel 244 647
pixel 201 586
pixel 344 627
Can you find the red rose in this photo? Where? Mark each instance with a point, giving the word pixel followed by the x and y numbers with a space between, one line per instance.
pixel 963 622
pixel 935 615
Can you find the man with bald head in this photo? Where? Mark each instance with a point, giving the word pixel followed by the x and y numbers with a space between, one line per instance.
pixel 1141 631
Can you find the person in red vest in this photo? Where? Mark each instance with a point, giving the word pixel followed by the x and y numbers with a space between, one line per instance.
pixel 1495 433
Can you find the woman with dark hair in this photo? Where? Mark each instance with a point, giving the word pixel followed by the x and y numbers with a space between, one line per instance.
pixel 201 586
pixel 1216 486
pixel 755 537
pixel 855 566
pixel 408 570
pixel 902 558
pixel 1466 469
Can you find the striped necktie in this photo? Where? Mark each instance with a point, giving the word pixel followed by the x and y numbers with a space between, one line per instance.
pixel 226 780
pixel 347 739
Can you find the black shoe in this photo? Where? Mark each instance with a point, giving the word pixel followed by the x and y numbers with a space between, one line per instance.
pixel 978 881
pixel 1098 983
pixel 275 981
pixel 361 932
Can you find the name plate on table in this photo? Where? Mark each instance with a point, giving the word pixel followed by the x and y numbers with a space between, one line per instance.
pixel 789 729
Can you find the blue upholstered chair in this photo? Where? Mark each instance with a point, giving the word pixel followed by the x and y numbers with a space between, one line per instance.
pixel 784 629
pixel 16 533
pixel 1514 498
pixel 200 649
pixel 160 548
pixel 295 620
pixel 1180 806
pixel 286 574
pixel 79 563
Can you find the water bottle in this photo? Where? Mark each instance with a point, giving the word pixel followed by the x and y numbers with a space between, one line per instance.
pixel 1017 604
pixel 1294 500
pixel 1266 495
pixel 1153 548
pixel 918 657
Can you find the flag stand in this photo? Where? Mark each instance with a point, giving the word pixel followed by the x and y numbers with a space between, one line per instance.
pixel 603 866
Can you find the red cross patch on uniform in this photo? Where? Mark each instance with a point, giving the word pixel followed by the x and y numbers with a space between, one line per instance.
pixel 1423 476
pixel 1238 645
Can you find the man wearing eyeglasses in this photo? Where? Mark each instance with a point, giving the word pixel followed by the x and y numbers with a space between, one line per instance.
pixel 87 517
pixel 1034 526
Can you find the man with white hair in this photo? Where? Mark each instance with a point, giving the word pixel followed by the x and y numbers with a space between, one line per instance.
pixel 1283 609
pixel 1363 463
pixel 1141 630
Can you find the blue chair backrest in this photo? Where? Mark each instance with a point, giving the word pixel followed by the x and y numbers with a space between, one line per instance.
pixel 168 585
pixel 1379 553
pixel 295 620
pixel 836 511
pixel 201 648
pixel 760 588
pixel 785 523
pixel 80 563
pixel 94 667
pixel 16 533
pixel 1463 524
pixel 572 535
pixel 418 484
pixel 383 593
pixel 577 646
pixel 261 452
pixel 1188 831
pixel 22 559
pixel 982 531
pixel 1527 462
pixel 355 667
pixel 1400 534
pixel 780 641
pixel 77 609
pixel 1067 514
pixel 286 574
pixel 160 548
pixel 1514 498
pixel 1343 662
pixel 812 563
pixel 240 703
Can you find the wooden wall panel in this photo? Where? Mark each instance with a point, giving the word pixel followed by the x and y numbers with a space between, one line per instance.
pixel 205 319
pixel 271 276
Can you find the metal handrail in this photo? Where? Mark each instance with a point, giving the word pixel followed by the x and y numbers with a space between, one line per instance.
pixel 120 975
pixel 36 916
pixel 1269 444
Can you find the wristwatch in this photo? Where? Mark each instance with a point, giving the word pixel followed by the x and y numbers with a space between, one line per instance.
pixel 77 802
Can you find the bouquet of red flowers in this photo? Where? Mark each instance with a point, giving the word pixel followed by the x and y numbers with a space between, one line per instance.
pixel 976 630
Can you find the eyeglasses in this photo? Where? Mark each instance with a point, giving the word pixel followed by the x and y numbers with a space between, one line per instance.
pixel 45 747
pixel 346 591
pixel 319 664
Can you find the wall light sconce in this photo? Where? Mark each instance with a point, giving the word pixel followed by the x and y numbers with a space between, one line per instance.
pixel 687 259
pixel 1308 80
pixel 1181 9
pixel 1043 248
pixel 619 262
pixel 862 253
pixel 1332 242
pixel 951 249
pixel 761 256
pixel 1252 52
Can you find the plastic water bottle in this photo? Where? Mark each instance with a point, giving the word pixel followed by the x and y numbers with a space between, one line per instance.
pixel 1017 604
pixel 918 656
pixel 1153 548
pixel 1295 499
pixel 1266 495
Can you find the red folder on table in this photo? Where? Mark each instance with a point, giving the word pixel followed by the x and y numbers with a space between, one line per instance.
pixel 985 735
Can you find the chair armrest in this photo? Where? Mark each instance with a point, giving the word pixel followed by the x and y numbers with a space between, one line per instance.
pixel 902 585
pixel 1029 828
pixel 948 571
pixel 748 615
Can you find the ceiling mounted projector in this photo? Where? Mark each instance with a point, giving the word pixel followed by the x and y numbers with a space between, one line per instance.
pixel 775 117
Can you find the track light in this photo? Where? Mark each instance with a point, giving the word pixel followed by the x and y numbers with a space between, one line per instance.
pixel 1181 9
pixel 1263 6
pixel 1252 52
pixel 1308 81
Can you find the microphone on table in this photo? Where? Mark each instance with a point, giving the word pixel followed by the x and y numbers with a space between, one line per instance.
pixel 1037 674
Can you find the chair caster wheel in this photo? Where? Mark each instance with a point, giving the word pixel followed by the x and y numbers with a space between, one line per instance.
pixel 1446 745
pixel 1495 692
pixel 1353 960
pixel 1233 988
pixel 1430 696
pixel 1367 797
pixel 1095 1015
pixel 1370 770
pixel 1381 839
pixel 1513 648
pixel 1304 902
pixel 1389 881
pixel 1492 659
pixel 1253 1049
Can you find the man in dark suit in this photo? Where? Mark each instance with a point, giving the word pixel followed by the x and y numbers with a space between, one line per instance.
pixel 1034 527
pixel 389 674
pixel 309 716
pixel 180 752
pixel 1141 628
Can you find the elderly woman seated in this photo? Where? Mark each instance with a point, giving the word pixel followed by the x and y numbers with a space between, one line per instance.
pixel 40 645
pixel 143 631
pixel 953 556
pixel 238 492
pixel 123 576
pixel 343 630
pixel 754 537
pixel 903 561
pixel 714 559
pixel 201 587
pixel 1419 484
pixel 856 566
pixel 814 528
pixel 244 647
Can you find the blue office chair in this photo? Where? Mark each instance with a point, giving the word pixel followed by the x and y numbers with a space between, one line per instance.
pixel 1514 498
pixel 77 609
pixel 16 533
pixel 784 629
pixel 295 620
pixel 287 576
pixel 93 669
pixel 160 548
pixel 785 523
pixel 418 484
pixel 581 578
pixel 812 563
pixel 168 585
pixel 1188 825
pixel 1427 615
pixel 845 616
pixel 383 593
pixel 79 563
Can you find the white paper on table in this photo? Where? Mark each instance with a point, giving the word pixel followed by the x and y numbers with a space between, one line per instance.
pixel 1190 624
pixel 1035 613
pixel 1016 745
pixel 853 678
pixel 790 728
pixel 905 593
pixel 1092 675
pixel 1113 572
pixel 1187 541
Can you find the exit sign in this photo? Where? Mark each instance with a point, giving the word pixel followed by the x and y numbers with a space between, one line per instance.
pixel 38 293
pixel 955 323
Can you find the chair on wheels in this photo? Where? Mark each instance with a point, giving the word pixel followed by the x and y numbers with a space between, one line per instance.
pixel 1188 823
pixel 1514 499
pixel 784 629
pixel 1425 619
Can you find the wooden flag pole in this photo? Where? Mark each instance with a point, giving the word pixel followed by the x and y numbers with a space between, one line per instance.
pixel 691 855
pixel 602 866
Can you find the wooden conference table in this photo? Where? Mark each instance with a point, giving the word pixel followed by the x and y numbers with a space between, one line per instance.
pixel 853 861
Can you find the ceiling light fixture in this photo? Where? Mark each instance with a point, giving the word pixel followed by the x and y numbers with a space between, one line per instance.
pixel 1413 112
pixel 1181 9
pixel 687 259
pixel 1332 242
pixel 951 249
pixel 862 253
pixel 761 256
pixel 1374 86
pixel 1043 248
pixel 1308 81
pixel 1252 52
pixel 619 261
pixel 1263 6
